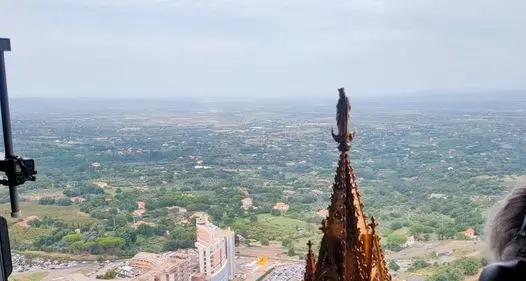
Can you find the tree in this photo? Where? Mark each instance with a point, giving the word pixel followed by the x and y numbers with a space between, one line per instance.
pixel 107 276
pixel 71 238
pixel 395 225
pixel 426 237
pixel 396 238
pixel 447 274
pixel 77 247
pixel 146 230
pixel 174 245
pixel 89 246
pixel 419 264
pixel 291 252
pixel 46 201
pixel 393 265
pixel 216 213
pixel 393 247
pixel 161 230
pixel 445 233
pixel 120 220
pixel 110 241
pixel 265 242
pixel 468 266
pixel 417 229
pixel 35 223
pixel 97 250
pixel 64 202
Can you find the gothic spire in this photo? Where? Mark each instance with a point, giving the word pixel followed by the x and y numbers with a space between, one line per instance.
pixel 310 266
pixel 350 249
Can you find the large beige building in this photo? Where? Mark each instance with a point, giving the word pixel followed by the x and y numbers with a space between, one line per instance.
pixel 171 266
pixel 216 248
pixel 214 259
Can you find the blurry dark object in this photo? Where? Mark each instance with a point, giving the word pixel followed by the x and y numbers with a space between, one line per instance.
pixel 17 170
pixel 6 262
pixel 508 270
pixel 505 271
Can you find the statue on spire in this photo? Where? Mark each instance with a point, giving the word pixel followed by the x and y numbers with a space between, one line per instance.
pixel 342 120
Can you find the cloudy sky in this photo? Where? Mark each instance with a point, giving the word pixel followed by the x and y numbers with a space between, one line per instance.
pixel 168 48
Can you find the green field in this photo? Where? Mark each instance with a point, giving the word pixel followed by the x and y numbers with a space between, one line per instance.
pixel 430 171
pixel 19 235
pixel 33 276
pixel 280 222
pixel 279 228
pixel 69 214
pixel 62 256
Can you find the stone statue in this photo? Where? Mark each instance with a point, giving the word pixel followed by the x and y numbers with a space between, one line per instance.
pixel 342 114
pixel 342 120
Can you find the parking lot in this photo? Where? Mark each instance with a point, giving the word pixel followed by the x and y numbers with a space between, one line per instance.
pixel 293 272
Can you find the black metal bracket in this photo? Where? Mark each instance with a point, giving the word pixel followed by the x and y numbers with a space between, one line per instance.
pixel 18 171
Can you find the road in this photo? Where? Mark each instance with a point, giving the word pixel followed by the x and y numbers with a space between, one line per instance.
pixel 276 254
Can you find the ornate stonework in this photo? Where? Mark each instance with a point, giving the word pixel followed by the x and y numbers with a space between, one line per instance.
pixel 350 248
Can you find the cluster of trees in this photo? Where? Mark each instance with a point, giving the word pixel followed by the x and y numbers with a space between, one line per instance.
pixel 77 243
pixel 127 243
pixel 52 201
pixel 400 166
pixel 457 270
pixel 47 222
pixel 419 264
pixel 113 236
pixel 174 245
pixel 394 241
pixel 392 265
pixel 438 219
pixel 109 275
pixel 83 190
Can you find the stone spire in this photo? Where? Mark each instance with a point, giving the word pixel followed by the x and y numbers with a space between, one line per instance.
pixel 350 248
pixel 310 267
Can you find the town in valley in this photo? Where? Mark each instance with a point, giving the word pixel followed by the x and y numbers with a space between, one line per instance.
pixel 234 189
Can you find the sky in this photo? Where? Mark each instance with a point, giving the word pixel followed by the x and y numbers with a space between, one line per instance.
pixel 261 48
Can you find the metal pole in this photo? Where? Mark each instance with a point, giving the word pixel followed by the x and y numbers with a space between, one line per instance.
pixel 6 123
pixel 4 104
pixel 2 269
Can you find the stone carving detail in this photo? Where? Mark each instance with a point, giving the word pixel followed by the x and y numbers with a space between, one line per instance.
pixel 350 248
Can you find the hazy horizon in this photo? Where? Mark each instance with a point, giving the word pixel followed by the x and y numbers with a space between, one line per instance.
pixel 229 49
pixel 325 96
pixel 324 105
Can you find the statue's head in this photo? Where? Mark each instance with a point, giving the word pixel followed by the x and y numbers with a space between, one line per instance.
pixel 342 92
